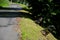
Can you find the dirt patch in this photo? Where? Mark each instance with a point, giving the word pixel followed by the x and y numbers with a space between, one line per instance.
pixel 18 28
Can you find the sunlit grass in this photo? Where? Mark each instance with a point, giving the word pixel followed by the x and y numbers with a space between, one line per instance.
pixel 4 3
pixel 32 31
pixel 23 6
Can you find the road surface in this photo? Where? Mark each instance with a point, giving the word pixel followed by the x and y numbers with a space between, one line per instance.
pixel 7 31
pixel 11 8
pixel 8 25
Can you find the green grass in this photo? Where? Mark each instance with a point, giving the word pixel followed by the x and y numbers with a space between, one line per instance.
pixel 23 6
pixel 32 31
pixel 4 3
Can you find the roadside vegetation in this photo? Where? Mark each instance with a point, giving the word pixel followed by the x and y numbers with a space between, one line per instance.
pixel 4 3
pixel 32 31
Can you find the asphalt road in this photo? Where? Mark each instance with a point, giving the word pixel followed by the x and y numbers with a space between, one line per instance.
pixel 8 25
pixel 7 31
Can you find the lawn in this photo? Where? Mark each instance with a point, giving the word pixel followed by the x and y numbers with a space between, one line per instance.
pixel 32 31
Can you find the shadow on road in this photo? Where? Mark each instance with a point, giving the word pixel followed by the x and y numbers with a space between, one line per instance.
pixel 14 14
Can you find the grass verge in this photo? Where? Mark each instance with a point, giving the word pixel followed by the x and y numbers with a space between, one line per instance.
pixel 32 31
